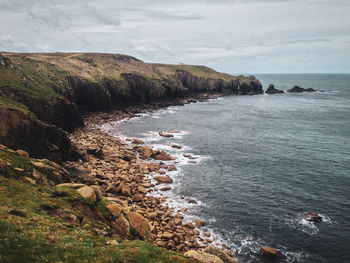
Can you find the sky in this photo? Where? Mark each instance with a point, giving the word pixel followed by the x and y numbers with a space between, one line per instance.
pixel 267 36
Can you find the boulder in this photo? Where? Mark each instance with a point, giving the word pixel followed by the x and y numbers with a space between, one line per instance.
pixel 271 90
pixel 162 156
pixel 271 252
pixel 165 188
pixel 124 189
pixel 114 209
pixel 163 134
pixel 145 151
pixel 98 192
pixel 88 193
pixel 199 223
pixel 203 256
pixel 137 141
pixel 172 168
pixel 226 258
pixel 164 179
pixel 122 226
pixel 297 89
pixel 176 146
pixel 138 222
pixel 314 217
pixel 153 167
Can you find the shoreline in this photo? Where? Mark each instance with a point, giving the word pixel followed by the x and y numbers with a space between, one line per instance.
pixel 134 174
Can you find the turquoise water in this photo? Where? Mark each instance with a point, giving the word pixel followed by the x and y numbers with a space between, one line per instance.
pixel 264 162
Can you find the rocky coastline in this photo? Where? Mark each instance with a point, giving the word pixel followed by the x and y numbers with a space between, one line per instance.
pixel 134 175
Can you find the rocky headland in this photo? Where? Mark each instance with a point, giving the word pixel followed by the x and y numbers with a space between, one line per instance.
pixel 70 174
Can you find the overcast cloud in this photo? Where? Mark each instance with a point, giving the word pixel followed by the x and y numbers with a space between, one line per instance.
pixel 230 36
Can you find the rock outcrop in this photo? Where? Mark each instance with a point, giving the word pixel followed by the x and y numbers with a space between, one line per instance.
pixel 272 90
pixel 314 217
pixel 271 252
pixel 297 89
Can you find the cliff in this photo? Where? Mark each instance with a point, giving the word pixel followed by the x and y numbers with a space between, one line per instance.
pixel 52 89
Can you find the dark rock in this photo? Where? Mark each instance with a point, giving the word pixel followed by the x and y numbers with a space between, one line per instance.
pixel 297 89
pixel 271 90
pixel 271 252
pixel 314 217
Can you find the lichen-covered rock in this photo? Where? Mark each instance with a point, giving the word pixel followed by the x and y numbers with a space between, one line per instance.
pixel 138 222
pixel 122 226
pixel 226 258
pixel 88 193
pixel 114 209
pixel 203 256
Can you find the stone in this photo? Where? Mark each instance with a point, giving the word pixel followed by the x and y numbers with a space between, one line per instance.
pixel 271 252
pixel 199 223
pixel 112 242
pixel 137 141
pixel 162 156
pixel 153 167
pixel 271 90
pixel 176 146
pixel 297 89
pixel 192 201
pixel 142 189
pixel 164 179
pixel 124 189
pixel 122 226
pixel 88 193
pixel 138 222
pixel 203 256
pixel 98 192
pixel 172 131
pixel 165 188
pixel 163 134
pixel 19 170
pixel 22 153
pixel 167 235
pixel 314 217
pixel 172 168
pixel 225 257
pixel 114 209
pixel 177 221
pixel 145 151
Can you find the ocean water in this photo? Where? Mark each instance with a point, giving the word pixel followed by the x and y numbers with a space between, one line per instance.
pixel 263 163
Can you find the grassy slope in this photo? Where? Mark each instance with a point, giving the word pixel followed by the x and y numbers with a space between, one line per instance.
pixel 29 234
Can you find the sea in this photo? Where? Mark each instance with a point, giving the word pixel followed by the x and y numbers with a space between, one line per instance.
pixel 260 164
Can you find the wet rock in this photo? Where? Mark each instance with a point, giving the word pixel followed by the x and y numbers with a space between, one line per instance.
pixel 163 134
pixel 199 223
pixel 176 146
pixel 226 258
pixel 165 188
pixel 297 89
pixel 314 217
pixel 172 168
pixel 271 90
pixel 88 193
pixel 192 201
pixel 162 156
pixel 137 141
pixel 145 151
pixel 271 252
pixel 203 256
pixel 164 179
pixel 153 167
pixel 172 131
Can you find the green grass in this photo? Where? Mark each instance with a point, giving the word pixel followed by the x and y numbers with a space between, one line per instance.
pixel 30 231
pixel 15 105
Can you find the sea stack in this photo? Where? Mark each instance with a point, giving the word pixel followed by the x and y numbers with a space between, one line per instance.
pixel 297 89
pixel 271 90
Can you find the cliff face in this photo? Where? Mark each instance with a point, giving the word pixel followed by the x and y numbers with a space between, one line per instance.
pixel 53 89
pixel 20 130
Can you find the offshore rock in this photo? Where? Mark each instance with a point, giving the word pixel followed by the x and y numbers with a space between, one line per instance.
pixel 271 252
pixel 314 217
pixel 271 90
pixel 297 89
